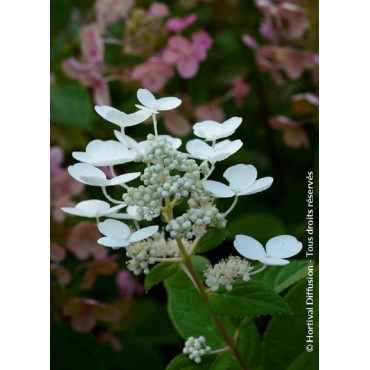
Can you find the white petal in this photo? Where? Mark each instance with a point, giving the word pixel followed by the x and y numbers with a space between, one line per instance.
pixel 273 261
pixel 168 103
pixel 218 189
pixel 126 140
pixel 240 176
pixel 229 126
pixel 112 115
pixel 206 129
pixel 146 98
pixel 249 247
pixel 105 153
pixel 259 185
pixel 115 229
pixel 199 149
pixel 113 210
pixel 136 118
pixel 122 179
pixel 144 233
pixel 227 149
pixel 283 246
pixel 73 211
pixel 113 242
pixel 93 207
pixel 87 174
pixel 222 143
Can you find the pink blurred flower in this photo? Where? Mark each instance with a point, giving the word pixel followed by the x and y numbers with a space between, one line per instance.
pixel 158 9
pixel 294 135
pixel 268 31
pixel 83 242
pixel 56 160
pixel 62 187
pixel 92 44
pixel 57 253
pixel 153 74
pixel 176 123
pixel 109 338
pixel 95 268
pixel 111 11
pixel 250 42
pixel 127 286
pixel 63 275
pixel 241 90
pixel 202 40
pixel 107 172
pixel 85 312
pixel 294 17
pixel 305 103
pixel 209 111
pixel 176 24
pixel 185 54
pixel 89 76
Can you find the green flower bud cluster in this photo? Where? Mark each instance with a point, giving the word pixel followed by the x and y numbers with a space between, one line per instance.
pixel 200 215
pixel 144 253
pixel 226 271
pixel 162 178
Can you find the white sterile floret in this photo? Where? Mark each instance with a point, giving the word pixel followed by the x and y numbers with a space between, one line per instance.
pixel 195 348
pixel 212 130
pixel 105 153
pixel 277 249
pixel 199 149
pixel 90 175
pixel 242 181
pixel 121 119
pixel 153 105
pixel 141 146
pixel 226 271
pixel 118 234
pixel 93 208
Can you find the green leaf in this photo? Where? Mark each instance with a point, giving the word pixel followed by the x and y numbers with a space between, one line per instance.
pixel 249 343
pixel 281 277
pixel 187 310
pixel 222 362
pixel 71 105
pixel 250 298
pixel 211 239
pixel 285 336
pixel 261 226
pixel 182 362
pixel 305 361
pixel 159 273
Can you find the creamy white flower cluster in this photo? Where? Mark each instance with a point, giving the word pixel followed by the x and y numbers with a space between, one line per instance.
pixel 146 252
pixel 195 348
pixel 226 271
pixel 170 177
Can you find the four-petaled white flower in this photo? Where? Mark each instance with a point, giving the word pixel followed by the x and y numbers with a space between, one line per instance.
pixel 277 249
pixel 242 180
pixel 141 146
pixel 118 234
pixel 212 130
pixel 153 105
pixel 94 208
pixel 105 153
pixel 199 149
pixel 90 175
pixel 121 119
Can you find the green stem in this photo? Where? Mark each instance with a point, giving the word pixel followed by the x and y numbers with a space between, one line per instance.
pixel 199 285
pixel 195 278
